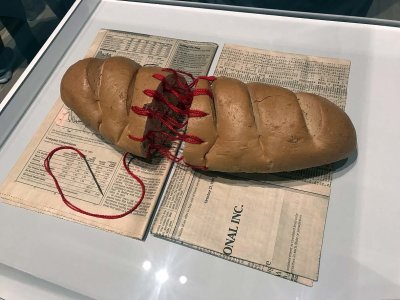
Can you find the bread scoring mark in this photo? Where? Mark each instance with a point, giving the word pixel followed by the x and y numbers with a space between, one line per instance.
pixel 215 123
pixel 197 113
pixel 100 115
pixel 323 117
pixel 96 97
pixel 304 107
pixel 213 109
pixel 128 101
pixel 130 92
pixel 263 99
pixel 256 117
pixel 121 133
pixel 100 79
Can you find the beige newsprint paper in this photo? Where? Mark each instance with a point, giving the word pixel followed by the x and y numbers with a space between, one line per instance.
pixel 29 186
pixel 273 223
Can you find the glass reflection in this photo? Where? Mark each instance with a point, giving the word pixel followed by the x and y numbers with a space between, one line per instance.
pixel 162 276
pixel 146 265
pixel 183 279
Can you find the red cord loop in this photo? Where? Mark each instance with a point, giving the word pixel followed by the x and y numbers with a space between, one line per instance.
pixel 137 139
pixel 194 113
pixel 204 168
pixel 209 78
pixel 184 94
pixel 159 76
pixel 76 208
pixel 198 92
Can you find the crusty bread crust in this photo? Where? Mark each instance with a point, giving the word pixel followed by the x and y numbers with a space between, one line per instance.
pixel 264 128
pixel 102 92
pixel 202 127
pixel 248 127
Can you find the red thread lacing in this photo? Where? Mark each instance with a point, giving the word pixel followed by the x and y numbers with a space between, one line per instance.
pixel 77 209
pixel 184 95
pixel 170 123
pixel 155 146
pixel 181 90
pixel 165 118
pixel 198 92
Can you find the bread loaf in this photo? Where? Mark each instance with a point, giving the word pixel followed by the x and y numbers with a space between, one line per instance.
pixel 102 92
pixel 238 127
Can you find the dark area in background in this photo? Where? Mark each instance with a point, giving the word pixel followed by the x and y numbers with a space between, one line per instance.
pixel 333 7
pixel 24 28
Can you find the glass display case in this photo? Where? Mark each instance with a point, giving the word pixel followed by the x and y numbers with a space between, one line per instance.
pixel 360 252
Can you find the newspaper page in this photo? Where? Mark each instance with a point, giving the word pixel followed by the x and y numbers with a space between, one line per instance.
pixel 270 222
pixel 29 186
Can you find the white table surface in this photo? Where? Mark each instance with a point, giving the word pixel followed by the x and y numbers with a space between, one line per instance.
pixel 361 249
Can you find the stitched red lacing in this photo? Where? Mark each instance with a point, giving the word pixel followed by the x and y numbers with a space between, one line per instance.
pixel 184 94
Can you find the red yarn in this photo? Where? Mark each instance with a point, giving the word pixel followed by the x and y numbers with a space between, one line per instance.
pixel 194 113
pixel 159 76
pixel 209 78
pixel 141 111
pixel 198 92
pixel 156 95
pixel 184 94
pixel 77 209
pixel 176 73
pixel 204 168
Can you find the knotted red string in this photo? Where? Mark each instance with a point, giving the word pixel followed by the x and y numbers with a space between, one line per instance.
pixel 77 209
